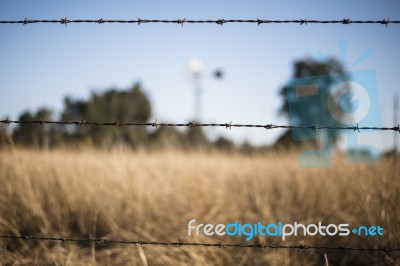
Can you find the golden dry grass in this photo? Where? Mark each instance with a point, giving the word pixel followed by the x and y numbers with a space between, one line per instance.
pixel 128 195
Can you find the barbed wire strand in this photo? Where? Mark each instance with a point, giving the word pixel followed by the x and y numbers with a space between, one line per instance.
pixel 229 125
pixel 179 243
pixel 139 21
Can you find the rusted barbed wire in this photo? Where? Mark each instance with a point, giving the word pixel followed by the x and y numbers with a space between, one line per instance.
pixel 229 125
pixel 179 243
pixel 139 21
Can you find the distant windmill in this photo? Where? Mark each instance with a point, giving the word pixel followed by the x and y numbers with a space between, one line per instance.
pixel 194 68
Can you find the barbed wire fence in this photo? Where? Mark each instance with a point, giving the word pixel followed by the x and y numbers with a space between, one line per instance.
pixel 65 21
pixel 179 243
pixel 228 125
pixel 388 250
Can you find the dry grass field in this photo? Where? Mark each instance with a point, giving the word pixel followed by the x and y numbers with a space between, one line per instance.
pixel 152 196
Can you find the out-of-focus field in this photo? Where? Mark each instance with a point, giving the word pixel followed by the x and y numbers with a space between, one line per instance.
pixel 137 195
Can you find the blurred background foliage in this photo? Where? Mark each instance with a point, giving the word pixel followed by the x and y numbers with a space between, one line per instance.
pixel 133 105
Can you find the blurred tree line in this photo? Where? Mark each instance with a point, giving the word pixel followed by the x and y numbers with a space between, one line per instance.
pixel 134 106
pixel 113 105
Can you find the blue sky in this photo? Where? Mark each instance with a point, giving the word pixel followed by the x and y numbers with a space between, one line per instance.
pixel 40 64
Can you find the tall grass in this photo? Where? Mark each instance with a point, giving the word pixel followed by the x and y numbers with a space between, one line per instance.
pixel 137 195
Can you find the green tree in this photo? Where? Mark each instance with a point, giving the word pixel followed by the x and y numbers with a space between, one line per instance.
pixel 195 138
pixel 166 137
pixel 326 73
pixel 34 135
pixel 225 144
pixel 112 105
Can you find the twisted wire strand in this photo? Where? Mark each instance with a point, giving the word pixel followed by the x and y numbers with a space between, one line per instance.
pixel 139 21
pixel 179 243
pixel 229 125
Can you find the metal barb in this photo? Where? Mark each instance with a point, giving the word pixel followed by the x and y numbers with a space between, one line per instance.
pixel 181 21
pixel 220 21
pixel 356 128
pixel 229 125
pixel 314 127
pixel 154 124
pixel 192 125
pixel 388 251
pixel 64 21
pixel 346 21
pixel 386 22
pixel 303 21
